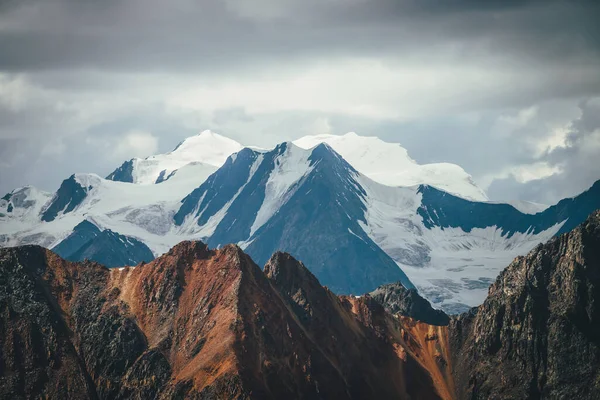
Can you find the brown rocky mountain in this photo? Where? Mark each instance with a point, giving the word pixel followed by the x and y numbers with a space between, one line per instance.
pixel 207 324
pixel 407 302
pixel 199 323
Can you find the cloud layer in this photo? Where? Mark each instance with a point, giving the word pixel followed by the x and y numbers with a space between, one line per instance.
pixel 508 90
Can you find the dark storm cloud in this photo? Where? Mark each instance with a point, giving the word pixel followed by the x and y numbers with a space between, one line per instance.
pixel 75 75
pixel 577 160
pixel 209 35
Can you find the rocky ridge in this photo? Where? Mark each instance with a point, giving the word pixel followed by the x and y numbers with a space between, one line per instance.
pixel 537 335
pixel 202 323
pixel 198 323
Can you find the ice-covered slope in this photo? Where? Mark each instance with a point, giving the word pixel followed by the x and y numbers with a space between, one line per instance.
pixel 206 148
pixel 452 248
pixel 452 266
pixel 144 212
pixel 20 210
pixel 449 247
pixel 390 164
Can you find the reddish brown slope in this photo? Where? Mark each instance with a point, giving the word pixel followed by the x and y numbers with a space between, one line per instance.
pixel 199 323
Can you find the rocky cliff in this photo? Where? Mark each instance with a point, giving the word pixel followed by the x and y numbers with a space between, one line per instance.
pixel 537 335
pixel 197 323
pixel 407 302
pixel 203 324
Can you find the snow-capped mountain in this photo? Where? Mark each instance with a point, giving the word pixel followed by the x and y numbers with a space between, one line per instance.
pixel 206 149
pixel 353 232
pixel 390 164
pixel 305 202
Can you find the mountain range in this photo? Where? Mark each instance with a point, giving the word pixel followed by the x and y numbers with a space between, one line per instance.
pixel 207 323
pixel 358 211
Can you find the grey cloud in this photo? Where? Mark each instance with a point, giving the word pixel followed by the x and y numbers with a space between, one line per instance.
pixel 54 147
pixel 577 159
pixel 208 36
pixel 82 52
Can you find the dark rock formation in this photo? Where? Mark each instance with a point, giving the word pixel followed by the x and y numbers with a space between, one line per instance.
pixel 396 299
pixel 537 335
pixel 88 242
pixel 203 324
pixel 68 196
pixel 122 174
pixel 199 323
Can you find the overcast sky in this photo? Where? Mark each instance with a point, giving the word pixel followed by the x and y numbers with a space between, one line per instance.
pixel 509 90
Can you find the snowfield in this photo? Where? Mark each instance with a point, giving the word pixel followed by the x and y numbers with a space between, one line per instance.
pixel 390 164
pixel 207 148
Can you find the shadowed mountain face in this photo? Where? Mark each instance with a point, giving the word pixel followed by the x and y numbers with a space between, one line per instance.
pixel 537 335
pixel 201 323
pixel 88 242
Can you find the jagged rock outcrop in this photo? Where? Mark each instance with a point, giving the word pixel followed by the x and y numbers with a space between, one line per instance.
pixel 537 335
pixel 202 324
pixel 199 323
pixel 397 299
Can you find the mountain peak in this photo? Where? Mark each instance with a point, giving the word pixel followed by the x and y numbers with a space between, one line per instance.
pixel 389 164
pixel 207 148
pixel 287 272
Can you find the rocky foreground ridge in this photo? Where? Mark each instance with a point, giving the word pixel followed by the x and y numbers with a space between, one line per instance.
pixel 202 324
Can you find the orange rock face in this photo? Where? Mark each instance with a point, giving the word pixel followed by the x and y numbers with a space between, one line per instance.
pixel 200 323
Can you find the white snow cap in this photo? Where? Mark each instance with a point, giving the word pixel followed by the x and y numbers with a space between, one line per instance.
pixel 207 148
pixel 390 164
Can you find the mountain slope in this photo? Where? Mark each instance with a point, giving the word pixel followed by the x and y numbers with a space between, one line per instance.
pixel 397 299
pixel 87 242
pixel 141 212
pixel 351 231
pixel 20 210
pixel 201 323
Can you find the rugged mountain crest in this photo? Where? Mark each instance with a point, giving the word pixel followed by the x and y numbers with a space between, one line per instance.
pixel 88 242
pixel 390 164
pixel 397 299
pixel 201 323
pixel 326 208
pixel 207 148
pixel 306 202
pixel 70 194
pixel 537 335
pixel 124 173
pixel 441 209
pixel 196 323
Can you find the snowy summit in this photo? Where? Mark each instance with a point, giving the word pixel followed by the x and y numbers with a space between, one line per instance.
pixel 390 164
